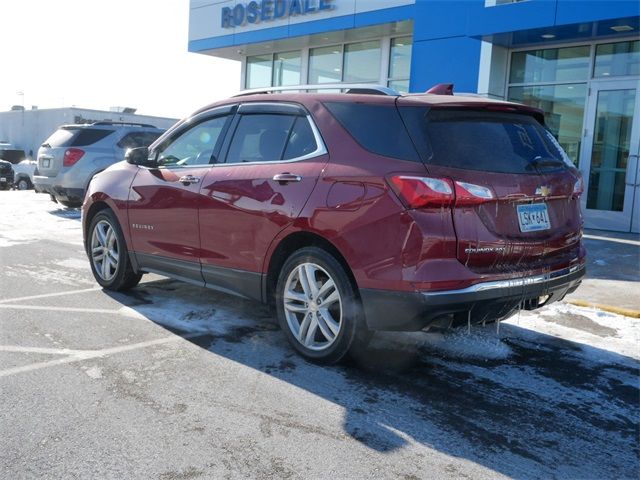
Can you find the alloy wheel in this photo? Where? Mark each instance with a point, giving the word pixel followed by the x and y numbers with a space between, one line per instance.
pixel 312 306
pixel 104 250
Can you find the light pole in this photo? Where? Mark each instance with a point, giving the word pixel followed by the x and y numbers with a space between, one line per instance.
pixel 21 94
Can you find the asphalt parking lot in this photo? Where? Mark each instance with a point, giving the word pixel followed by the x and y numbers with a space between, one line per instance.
pixel 172 381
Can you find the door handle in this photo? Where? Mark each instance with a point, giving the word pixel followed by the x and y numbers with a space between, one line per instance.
pixel 187 179
pixel 287 177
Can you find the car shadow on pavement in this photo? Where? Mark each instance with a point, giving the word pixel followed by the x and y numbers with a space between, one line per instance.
pixel 526 405
pixel 68 213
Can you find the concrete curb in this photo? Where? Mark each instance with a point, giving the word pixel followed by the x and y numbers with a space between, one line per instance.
pixel 607 308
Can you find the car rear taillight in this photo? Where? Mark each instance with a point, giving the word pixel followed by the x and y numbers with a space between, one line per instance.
pixel 417 192
pixel 424 192
pixel 578 188
pixel 71 156
pixel 470 194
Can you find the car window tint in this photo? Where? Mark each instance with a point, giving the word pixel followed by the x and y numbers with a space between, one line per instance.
pixel 377 128
pixel 196 146
pixel 260 138
pixel 487 141
pixel 301 140
pixel 138 139
pixel 89 136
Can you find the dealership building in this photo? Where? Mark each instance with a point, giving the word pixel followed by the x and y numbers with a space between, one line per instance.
pixel 579 61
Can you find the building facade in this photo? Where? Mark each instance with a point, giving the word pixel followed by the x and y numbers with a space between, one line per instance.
pixel 27 129
pixel 579 61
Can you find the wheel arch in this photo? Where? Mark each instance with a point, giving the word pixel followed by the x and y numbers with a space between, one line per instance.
pixel 289 244
pixel 94 209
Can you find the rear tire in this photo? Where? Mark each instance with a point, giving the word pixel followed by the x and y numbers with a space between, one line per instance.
pixel 318 306
pixel 108 254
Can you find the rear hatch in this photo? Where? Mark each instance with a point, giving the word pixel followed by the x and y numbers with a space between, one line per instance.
pixel 67 140
pixel 516 201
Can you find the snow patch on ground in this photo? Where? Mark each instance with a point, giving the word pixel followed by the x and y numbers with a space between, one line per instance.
pixel 40 218
pixel 556 320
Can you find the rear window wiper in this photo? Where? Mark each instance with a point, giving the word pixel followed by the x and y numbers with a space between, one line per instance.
pixel 45 145
pixel 538 162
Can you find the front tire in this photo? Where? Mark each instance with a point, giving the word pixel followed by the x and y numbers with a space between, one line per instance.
pixel 108 254
pixel 318 306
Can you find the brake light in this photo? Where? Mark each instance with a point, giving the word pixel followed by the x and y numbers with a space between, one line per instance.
pixel 470 194
pixel 578 187
pixel 420 192
pixel 71 156
pixel 417 192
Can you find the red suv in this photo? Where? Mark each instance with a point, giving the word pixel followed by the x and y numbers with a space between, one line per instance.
pixel 350 212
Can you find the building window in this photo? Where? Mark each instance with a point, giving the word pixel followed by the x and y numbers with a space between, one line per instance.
pixel 325 65
pixel 400 64
pixel 550 65
pixel 259 69
pixel 563 107
pixel 554 80
pixel 617 59
pixel 362 62
pixel 358 62
pixel 286 68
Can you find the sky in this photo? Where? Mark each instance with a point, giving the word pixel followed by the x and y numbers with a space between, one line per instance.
pixel 99 54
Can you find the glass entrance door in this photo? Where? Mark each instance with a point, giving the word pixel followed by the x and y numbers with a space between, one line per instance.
pixel 610 156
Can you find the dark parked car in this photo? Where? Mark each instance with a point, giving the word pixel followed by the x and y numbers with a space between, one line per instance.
pixel 349 212
pixel 6 175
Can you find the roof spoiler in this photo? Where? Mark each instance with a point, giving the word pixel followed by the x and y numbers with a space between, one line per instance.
pixel 441 89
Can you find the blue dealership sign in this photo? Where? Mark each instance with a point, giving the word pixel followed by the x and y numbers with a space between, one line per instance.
pixel 269 10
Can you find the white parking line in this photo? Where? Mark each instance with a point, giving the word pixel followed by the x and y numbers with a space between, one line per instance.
pixel 47 295
pixel 46 351
pixel 59 309
pixel 90 354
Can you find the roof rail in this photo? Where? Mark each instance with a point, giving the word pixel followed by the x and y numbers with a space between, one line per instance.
pixel 136 124
pixel 365 88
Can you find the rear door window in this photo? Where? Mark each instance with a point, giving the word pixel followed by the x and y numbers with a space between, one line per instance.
pixel 261 138
pixel 138 139
pixel 488 141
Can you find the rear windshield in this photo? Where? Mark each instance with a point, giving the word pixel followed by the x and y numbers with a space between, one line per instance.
pixel 76 137
pixel 478 140
pixel 12 156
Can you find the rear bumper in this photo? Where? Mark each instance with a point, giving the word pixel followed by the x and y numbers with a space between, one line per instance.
pixel 410 311
pixel 8 178
pixel 45 185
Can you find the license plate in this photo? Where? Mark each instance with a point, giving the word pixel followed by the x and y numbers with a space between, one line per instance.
pixel 534 217
pixel 45 163
pixel 3 179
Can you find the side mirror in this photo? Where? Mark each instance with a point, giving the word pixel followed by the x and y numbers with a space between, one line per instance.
pixel 140 156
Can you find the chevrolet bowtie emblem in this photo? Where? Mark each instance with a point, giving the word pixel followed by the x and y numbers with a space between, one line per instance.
pixel 544 191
